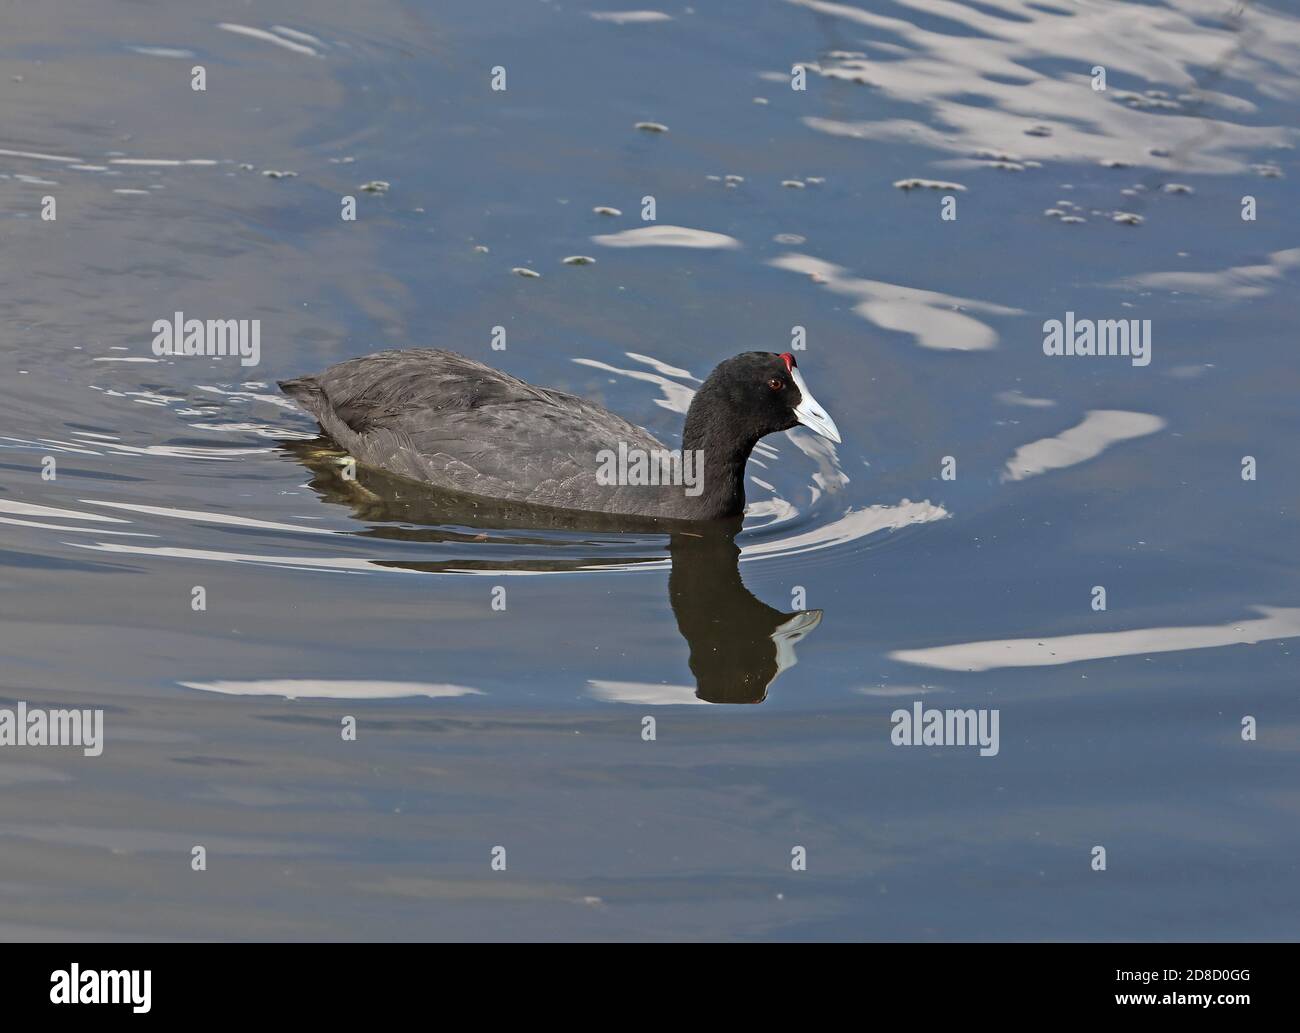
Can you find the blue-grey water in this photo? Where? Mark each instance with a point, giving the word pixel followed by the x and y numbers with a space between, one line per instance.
pixel 953 543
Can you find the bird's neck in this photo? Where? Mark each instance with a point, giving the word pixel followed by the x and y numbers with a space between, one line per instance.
pixel 725 449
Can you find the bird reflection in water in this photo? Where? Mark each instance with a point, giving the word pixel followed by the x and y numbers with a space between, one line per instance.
pixel 738 644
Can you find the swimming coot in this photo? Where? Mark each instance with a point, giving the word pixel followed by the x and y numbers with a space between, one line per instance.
pixel 440 418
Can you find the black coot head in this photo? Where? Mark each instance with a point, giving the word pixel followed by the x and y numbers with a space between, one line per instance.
pixel 761 393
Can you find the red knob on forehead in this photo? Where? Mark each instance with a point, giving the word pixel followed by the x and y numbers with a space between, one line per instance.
pixel 789 360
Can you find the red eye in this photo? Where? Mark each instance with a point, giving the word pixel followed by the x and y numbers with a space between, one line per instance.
pixel 776 383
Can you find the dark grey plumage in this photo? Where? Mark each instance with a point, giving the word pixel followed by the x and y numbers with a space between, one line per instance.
pixel 443 419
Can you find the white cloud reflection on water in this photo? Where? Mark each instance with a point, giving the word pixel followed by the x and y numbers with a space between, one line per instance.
pixel 667 236
pixel 932 318
pixel 1277 622
pixel 984 83
pixel 644 693
pixel 313 688
pixel 278 37
pixel 1235 283
pixel 1100 429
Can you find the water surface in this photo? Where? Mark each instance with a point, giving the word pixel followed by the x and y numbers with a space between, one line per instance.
pixel 887 583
